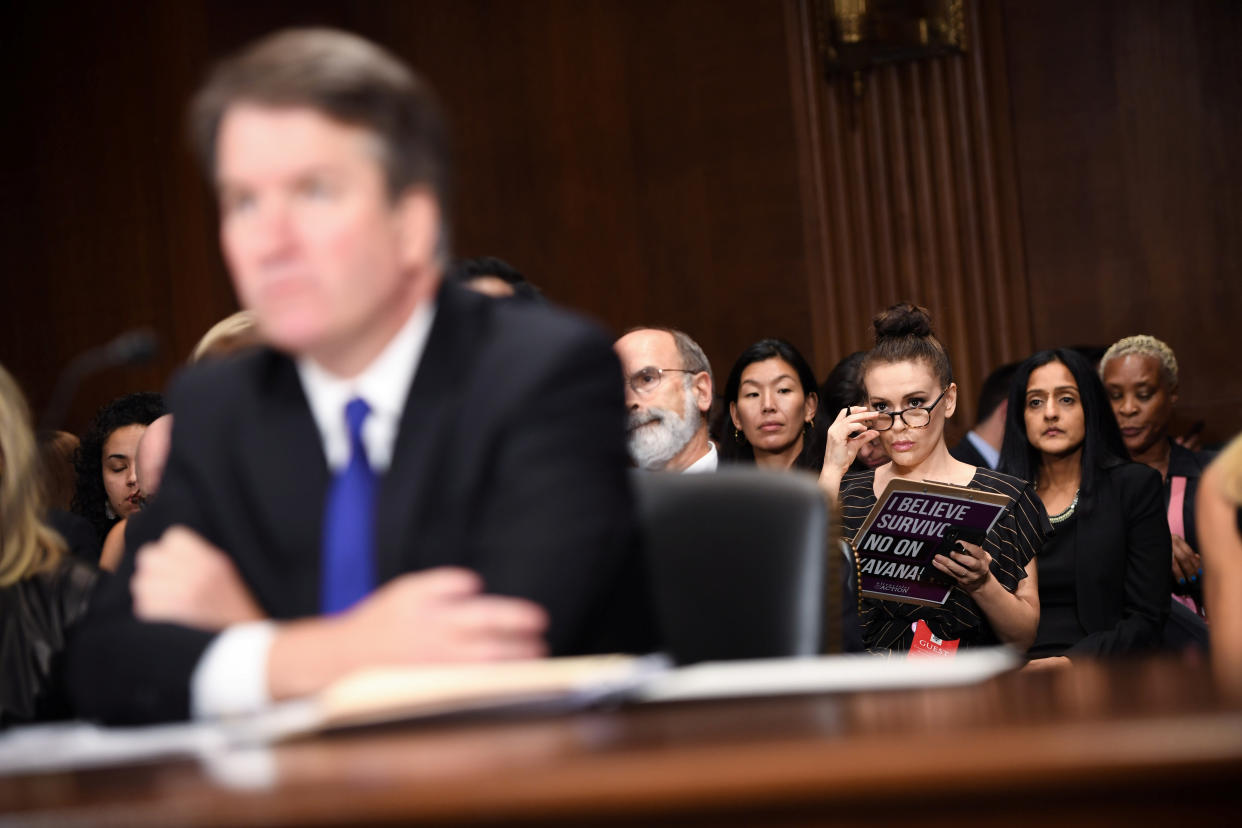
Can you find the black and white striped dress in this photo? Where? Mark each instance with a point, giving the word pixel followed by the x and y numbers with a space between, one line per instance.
pixel 1017 537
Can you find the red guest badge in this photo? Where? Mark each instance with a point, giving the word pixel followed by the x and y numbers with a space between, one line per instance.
pixel 927 645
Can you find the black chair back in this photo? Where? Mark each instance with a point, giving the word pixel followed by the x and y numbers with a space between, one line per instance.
pixel 739 562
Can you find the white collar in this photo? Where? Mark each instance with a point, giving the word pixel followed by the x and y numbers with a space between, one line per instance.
pixel 384 384
pixel 990 455
pixel 706 463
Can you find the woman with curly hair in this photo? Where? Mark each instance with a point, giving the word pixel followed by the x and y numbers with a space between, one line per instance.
pixel 107 488
pixel 43 591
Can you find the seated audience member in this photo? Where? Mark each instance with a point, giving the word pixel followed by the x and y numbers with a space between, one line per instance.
pixel 494 277
pixel 666 428
pixel 1220 530
pixel 981 445
pixel 1140 376
pixel 43 591
pixel 1104 574
pixel 56 452
pixel 393 430
pixel 149 460
pixel 841 389
pixel 772 400
pixel 232 334
pixel 910 394
pixel 107 489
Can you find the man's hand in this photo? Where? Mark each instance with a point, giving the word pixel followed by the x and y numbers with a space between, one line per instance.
pixel 443 615
pixel 183 579
pixel 433 616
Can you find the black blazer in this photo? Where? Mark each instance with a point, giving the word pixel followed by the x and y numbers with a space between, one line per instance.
pixel 1123 562
pixel 510 460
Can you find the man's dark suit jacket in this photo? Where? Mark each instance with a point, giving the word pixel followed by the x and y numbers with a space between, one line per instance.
pixel 1123 561
pixel 967 453
pixel 510 460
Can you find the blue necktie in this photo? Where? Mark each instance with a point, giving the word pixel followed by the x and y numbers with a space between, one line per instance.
pixel 349 522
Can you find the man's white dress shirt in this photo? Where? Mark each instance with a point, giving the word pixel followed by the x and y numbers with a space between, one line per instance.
pixel 231 676
pixel 990 455
pixel 706 463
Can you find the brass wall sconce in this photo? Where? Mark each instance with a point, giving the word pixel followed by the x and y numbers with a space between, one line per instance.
pixel 856 35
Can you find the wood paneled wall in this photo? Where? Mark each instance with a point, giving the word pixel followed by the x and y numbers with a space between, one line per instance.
pixel 1072 178
pixel 1128 122
pixel 913 197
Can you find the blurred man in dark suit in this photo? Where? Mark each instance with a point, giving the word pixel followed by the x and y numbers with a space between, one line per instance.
pixel 409 472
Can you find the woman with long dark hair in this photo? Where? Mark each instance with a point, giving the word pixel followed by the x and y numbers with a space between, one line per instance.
pixel 771 399
pixel 1104 575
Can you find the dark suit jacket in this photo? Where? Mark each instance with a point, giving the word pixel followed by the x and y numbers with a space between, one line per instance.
pixel 510 460
pixel 967 453
pixel 1123 559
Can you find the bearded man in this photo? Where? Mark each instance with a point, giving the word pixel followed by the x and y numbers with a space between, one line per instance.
pixel 668 394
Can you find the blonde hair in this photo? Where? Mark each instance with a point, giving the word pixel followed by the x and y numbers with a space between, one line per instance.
pixel 229 335
pixel 1144 345
pixel 27 544
pixel 1230 463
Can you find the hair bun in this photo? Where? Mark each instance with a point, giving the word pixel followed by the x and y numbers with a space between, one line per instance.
pixel 902 320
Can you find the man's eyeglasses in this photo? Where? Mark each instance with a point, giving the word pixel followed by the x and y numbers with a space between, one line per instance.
pixel 915 416
pixel 648 379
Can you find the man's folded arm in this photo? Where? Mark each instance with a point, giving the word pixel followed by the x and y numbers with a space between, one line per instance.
pixel 558 526
pixel 123 671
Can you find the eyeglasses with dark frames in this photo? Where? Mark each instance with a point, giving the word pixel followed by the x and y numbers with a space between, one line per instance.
pixel 648 379
pixel 915 417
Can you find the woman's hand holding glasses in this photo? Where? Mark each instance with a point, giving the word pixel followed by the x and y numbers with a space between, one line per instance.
pixel 849 432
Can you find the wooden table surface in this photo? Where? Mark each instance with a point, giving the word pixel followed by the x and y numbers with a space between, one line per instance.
pixel 1142 743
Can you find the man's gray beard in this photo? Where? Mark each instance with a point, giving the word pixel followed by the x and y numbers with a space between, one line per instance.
pixel 652 446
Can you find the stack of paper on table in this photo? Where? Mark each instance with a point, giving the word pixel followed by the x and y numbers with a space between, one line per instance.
pixel 557 684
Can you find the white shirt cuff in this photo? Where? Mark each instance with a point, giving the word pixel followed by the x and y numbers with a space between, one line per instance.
pixel 231 676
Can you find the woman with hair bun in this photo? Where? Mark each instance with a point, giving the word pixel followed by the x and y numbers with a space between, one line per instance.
pixel 908 380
